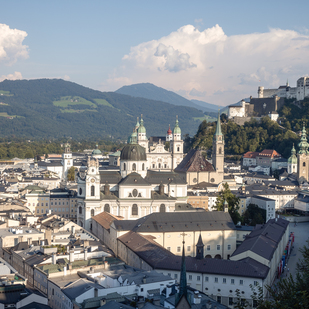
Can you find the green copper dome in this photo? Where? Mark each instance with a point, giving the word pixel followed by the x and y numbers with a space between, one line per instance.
pixel 177 130
pixel 96 151
pixel 132 138
pixel 292 159
pixel 141 128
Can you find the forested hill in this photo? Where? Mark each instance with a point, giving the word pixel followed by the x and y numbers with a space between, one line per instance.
pixel 253 136
pixel 54 108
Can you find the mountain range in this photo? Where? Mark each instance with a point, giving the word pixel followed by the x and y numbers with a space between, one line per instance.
pixel 54 108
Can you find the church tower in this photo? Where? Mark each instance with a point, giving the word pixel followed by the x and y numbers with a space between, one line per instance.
pixel 67 160
pixel 303 157
pixel 141 135
pixel 218 150
pixel 292 162
pixel 176 145
pixel 92 194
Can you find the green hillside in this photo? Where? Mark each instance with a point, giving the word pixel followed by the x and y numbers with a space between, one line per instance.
pixel 54 108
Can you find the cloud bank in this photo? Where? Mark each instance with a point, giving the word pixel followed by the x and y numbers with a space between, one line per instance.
pixel 211 66
pixel 11 45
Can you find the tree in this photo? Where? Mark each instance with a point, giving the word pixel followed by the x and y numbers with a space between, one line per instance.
pixel 254 215
pixel 71 174
pixel 232 200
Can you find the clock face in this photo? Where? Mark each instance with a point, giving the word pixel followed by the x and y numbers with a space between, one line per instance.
pixel 92 180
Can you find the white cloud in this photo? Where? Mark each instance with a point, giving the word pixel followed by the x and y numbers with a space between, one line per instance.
pixel 14 76
pixel 214 67
pixel 11 44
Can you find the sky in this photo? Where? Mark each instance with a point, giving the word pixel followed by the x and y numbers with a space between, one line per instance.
pixel 214 51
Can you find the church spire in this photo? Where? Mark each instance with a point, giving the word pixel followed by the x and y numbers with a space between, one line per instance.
pixel 199 248
pixel 218 128
pixel 183 273
pixel 303 144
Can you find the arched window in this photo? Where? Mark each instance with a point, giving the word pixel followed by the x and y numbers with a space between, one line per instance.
pixel 92 191
pixel 220 150
pixel 80 209
pixel 159 165
pixel 80 191
pixel 304 164
pixel 92 212
pixel 134 210
pixel 208 256
pixel 178 149
pixel 124 166
pixel 143 166
pixel 134 167
pixel 162 208
pixel 107 208
pixel 218 256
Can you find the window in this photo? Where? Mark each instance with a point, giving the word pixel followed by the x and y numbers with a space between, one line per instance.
pixel 92 191
pixel 134 210
pixel 168 248
pixel 228 247
pixel 220 150
pixel 304 163
pixel 178 149
pixel 134 167
pixel 224 280
pixel 46 204
pixel 124 166
pixel 198 278
pixel 216 280
pixel 80 191
pixel 190 277
pixel 175 276
pixel 206 279
pixel 208 247
pixel 218 247
pixel 231 302
pixel 42 204
pixel 162 208
pixel 153 166
pixel 178 249
pixel 188 248
pixel 255 283
pixel 219 299
pixel 92 212
pixel 38 211
pixel 106 208
pixel 241 282
pixel 143 166
pixel 232 281
pixel 80 209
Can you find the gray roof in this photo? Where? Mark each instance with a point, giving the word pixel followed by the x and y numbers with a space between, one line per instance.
pixel 178 222
pixel 115 305
pixel 111 177
pixel 264 239
pixel 79 287
pixel 155 177
pixel 133 179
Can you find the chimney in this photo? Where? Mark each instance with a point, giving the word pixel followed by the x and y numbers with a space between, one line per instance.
pixel 106 189
pixel 144 280
pixel 71 256
pixel 161 189
pixel 64 270
pixel 86 254
pixel 70 267
pixel 73 229
pixel 42 242
pixel 86 243
pixel 161 288
pixel 54 258
pixel 29 241
pixel 106 265
pixel 168 290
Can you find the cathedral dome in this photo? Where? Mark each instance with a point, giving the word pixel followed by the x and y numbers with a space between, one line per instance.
pixel 133 152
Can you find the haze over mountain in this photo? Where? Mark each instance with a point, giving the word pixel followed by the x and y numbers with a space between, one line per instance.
pixel 54 108
pixel 150 91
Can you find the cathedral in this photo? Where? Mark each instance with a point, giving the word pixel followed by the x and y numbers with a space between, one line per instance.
pixel 147 180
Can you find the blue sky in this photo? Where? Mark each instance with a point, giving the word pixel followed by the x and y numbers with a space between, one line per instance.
pixel 215 51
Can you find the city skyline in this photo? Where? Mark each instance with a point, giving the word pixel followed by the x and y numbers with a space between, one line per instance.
pixel 215 52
